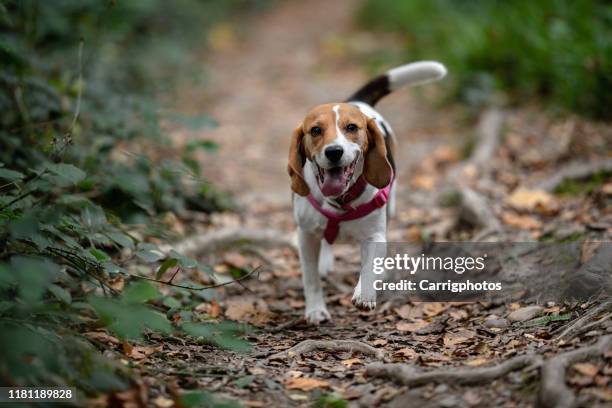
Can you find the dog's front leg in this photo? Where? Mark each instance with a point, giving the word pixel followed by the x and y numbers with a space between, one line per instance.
pixel 309 245
pixel 364 296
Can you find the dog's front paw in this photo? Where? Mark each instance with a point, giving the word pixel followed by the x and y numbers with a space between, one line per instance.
pixel 361 302
pixel 317 316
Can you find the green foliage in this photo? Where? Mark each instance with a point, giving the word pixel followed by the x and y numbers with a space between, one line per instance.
pixel 544 320
pixel 557 50
pixel 583 187
pixel 79 119
pixel 331 400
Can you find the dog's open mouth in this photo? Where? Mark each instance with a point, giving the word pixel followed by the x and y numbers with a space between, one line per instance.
pixel 333 181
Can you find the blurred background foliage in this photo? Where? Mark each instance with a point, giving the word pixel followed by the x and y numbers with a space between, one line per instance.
pixel 558 52
pixel 80 87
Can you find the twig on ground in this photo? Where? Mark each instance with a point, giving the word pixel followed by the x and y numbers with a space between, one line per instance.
pixel 217 285
pixel 574 171
pixel 553 391
pixel 408 375
pixel 577 327
pixel 308 346
pixel 217 240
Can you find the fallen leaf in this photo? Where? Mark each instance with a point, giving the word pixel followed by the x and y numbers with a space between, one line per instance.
pixel 529 200
pixel 139 352
pixel 411 327
pixel 215 309
pixel 409 311
pixel 102 337
pixel 407 352
pixel 379 342
pixel 460 337
pixel 253 311
pixel 351 362
pixel 236 259
pixel 588 369
pixel 588 250
pixel 305 384
pixel 163 402
pixel 521 221
pixel 435 308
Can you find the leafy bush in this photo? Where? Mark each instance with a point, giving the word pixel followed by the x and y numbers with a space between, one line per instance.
pixel 557 50
pixel 79 186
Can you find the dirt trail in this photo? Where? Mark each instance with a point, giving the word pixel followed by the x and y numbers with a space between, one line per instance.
pixel 268 75
pixel 263 76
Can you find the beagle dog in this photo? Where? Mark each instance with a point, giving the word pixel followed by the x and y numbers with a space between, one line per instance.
pixel 342 175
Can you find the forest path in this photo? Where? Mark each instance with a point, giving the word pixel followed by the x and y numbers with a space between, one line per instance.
pixel 263 76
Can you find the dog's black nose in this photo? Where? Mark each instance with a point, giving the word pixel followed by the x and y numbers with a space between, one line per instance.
pixel 334 153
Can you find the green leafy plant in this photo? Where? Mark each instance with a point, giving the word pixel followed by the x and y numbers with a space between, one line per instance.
pixel 555 50
pixel 82 185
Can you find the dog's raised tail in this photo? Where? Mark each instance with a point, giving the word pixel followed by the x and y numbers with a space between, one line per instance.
pixel 415 73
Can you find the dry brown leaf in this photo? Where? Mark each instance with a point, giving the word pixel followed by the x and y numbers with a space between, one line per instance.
pixel 521 221
pixel 460 337
pixel 435 308
pixel 378 342
pixel 446 154
pixel 305 384
pixel 588 369
pixel 215 309
pixel 103 337
pixel 407 352
pixel 139 352
pixel 254 311
pixel 236 259
pixel 351 362
pixel 423 182
pixel 528 200
pixel 163 402
pixel 409 311
pixel 411 327
pixel 588 250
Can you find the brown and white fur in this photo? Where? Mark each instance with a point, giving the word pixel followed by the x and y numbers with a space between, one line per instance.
pixel 334 145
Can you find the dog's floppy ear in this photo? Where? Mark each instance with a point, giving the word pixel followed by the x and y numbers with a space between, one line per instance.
pixel 297 159
pixel 377 170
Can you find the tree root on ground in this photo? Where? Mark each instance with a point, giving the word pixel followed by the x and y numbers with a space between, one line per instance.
pixel 574 171
pixel 221 239
pixel 308 346
pixel 585 322
pixel 477 211
pixel 553 391
pixel 408 375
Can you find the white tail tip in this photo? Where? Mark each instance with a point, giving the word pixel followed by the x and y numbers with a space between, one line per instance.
pixel 416 73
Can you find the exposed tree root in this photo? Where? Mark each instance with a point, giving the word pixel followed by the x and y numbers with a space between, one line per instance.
pixel 408 375
pixel 218 240
pixel 477 211
pixel 585 322
pixel 488 133
pixel 308 346
pixel 574 171
pixel 553 392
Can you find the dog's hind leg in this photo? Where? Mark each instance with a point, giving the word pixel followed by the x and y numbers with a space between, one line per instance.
pixel 326 259
pixel 309 246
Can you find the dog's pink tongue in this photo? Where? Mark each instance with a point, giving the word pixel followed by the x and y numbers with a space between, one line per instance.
pixel 334 181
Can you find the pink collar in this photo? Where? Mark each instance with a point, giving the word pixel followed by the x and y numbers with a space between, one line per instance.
pixel 333 220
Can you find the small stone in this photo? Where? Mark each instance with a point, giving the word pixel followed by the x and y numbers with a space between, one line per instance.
pixel 525 313
pixel 440 389
pixel 496 323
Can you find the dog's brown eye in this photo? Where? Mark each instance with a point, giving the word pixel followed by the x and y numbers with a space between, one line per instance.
pixel 351 127
pixel 315 131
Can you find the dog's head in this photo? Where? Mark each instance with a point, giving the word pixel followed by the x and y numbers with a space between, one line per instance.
pixel 341 142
